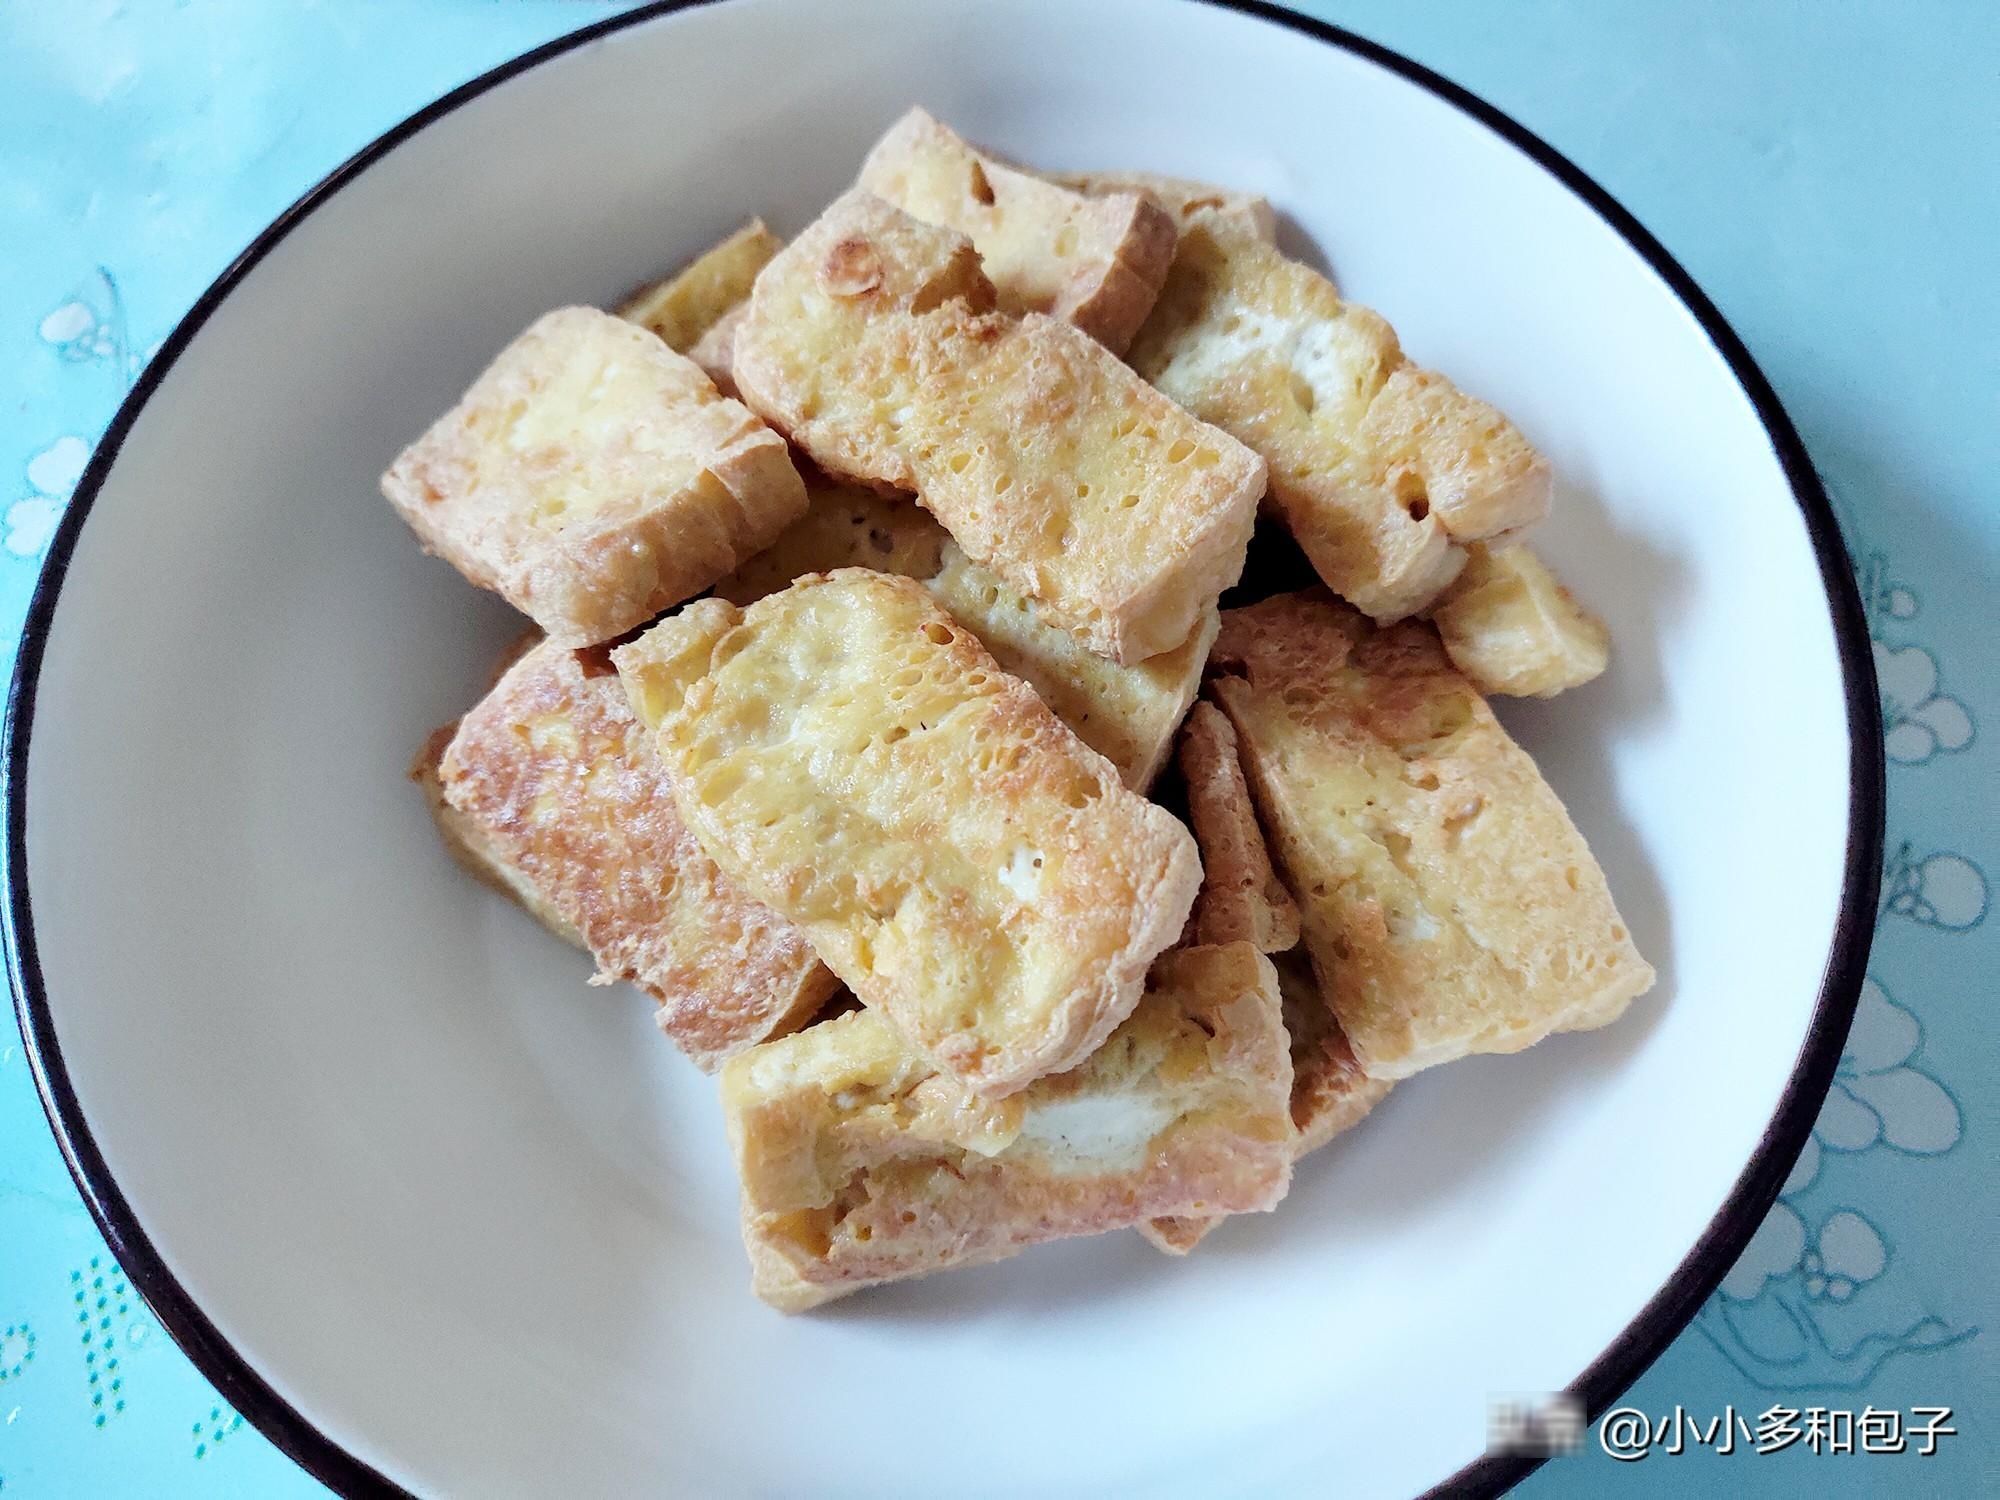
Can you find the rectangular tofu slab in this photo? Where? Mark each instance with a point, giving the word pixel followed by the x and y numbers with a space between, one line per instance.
pixel 592 477
pixel 1330 1093
pixel 1184 199
pixel 1094 261
pixel 862 1164
pixel 858 762
pixel 1381 470
pixel 683 307
pixel 549 789
pixel 1508 625
pixel 1047 460
pixel 1449 904
pixel 1242 900
pixel 1126 714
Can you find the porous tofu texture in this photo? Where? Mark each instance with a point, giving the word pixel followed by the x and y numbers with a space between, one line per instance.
pixel 1049 462
pixel 593 477
pixel 1510 627
pixel 856 760
pixel 845 526
pixel 1380 469
pixel 1449 904
pixel 1126 714
pixel 1094 261
pixel 862 1164
pixel 549 787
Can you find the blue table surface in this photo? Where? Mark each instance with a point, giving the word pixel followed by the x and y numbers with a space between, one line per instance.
pixel 1829 172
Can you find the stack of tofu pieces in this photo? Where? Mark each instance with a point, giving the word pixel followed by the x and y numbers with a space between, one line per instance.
pixel 876 581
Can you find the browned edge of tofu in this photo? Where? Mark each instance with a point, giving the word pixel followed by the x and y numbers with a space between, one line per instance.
pixel 860 1164
pixel 1448 902
pixel 549 788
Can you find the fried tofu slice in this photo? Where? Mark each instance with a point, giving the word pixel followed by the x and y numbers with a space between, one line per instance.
pixel 1449 904
pixel 1047 460
pixel 592 477
pixel 549 790
pixel 862 1164
pixel 684 307
pixel 1183 198
pixel 1330 1093
pixel 1126 714
pixel 1510 627
pixel 845 526
pixel 857 761
pixel 477 852
pixel 1242 900
pixel 1382 470
pixel 1094 261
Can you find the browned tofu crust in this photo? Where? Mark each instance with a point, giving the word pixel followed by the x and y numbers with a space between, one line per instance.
pixel 1449 904
pixel 592 477
pixel 554 785
pixel 1049 461
pixel 1242 900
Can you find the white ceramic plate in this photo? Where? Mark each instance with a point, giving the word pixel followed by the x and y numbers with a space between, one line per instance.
pixel 433 1214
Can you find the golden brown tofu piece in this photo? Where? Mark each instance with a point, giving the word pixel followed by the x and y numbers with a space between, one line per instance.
pixel 857 761
pixel 1048 461
pixel 476 851
pixel 1183 198
pixel 549 789
pixel 862 1164
pixel 1510 627
pixel 1242 900
pixel 1126 714
pixel 1330 1093
pixel 592 477
pixel 1449 904
pixel 1096 262
pixel 685 306
pixel 1381 470
pixel 845 526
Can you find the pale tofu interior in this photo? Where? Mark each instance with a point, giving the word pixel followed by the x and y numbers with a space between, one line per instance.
pixel 597 400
